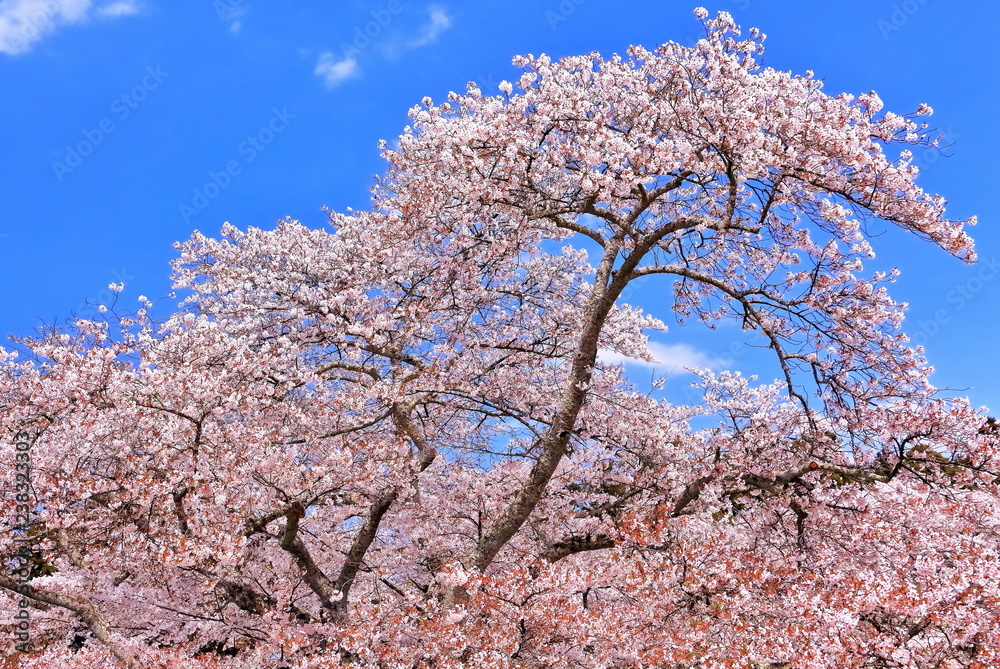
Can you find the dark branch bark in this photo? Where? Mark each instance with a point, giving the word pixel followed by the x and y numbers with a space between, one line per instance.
pixel 359 547
pixel 84 610
pixel 182 518
pixel 690 494
pixel 607 287
pixel 609 282
pixel 244 596
pixel 259 525
pixel 363 541
pixel 314 577
pixel 573 545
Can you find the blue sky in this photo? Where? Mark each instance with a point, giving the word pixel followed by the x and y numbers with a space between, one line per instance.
pixel 129 123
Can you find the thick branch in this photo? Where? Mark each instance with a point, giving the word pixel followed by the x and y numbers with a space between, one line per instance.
pixel 83 608
pixel 575 227
pixel 362 542
pixel 259 525
pixel 561 549
pixel 179 511
pixel 366 535
pixel 607 287
pixel 690 494
pixel 314 577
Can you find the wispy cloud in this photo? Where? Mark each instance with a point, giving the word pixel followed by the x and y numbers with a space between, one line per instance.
pixel 231 11
pixel 334 72
pixel 119 8
pixel 670 358
pixel 25 22
pixel 439 22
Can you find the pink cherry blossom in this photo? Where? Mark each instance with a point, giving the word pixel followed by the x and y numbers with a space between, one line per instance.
pixel 392 444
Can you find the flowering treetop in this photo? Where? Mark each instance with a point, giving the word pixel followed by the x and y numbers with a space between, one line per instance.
pixel 393 444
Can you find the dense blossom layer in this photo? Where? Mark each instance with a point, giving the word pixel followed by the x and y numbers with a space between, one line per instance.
pixel 392 443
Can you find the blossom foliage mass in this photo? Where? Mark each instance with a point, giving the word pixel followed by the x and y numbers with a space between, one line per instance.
pixel 396 443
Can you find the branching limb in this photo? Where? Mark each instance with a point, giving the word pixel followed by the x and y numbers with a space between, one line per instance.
pixel 83 608
pixel 314 577
pixel 572 545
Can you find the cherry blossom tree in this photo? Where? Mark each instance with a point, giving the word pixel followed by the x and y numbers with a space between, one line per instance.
pixel 394 443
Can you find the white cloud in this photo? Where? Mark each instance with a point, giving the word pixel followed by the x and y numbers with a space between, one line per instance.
pixel 670 358
pixel 235 27
pixel 119 8
pixel 430 32
pixel 334 72
pixel 440 21
pixel 25 22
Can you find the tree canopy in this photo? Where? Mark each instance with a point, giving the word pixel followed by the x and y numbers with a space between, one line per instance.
pixel 393 443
